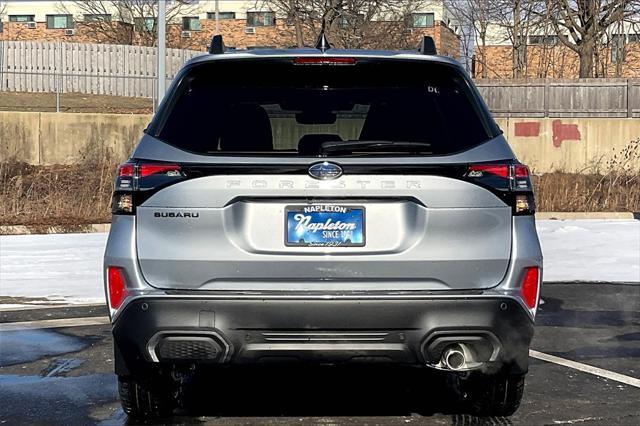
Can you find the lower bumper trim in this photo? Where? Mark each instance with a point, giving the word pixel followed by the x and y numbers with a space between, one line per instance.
pixel 321 331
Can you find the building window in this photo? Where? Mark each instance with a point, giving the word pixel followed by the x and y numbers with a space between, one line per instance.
pixel 1 26
pixel 549 40
pixel 145 24
pixel 221 15
pixel 261 19
pixel 422 20
pixel 22 18
pixel 97 18
pixel 191 23
pixel 633 38
pixel 59 22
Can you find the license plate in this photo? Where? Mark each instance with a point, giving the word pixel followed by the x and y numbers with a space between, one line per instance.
pixel 325 225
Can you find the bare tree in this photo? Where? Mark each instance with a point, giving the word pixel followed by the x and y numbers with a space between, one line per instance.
pixel 475 18
pixel 350 23
pixel 460 10
pixel 3 8
pixel 516 20
pixel 581 25
pixel 125 21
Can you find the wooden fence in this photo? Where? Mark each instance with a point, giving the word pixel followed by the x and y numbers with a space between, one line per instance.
pixel 103 69
pixel 594 97
pixel 107 69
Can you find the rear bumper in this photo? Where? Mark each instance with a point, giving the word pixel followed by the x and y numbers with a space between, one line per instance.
pixel 152 331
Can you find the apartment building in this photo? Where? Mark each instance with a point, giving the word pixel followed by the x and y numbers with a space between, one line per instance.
pixel 245 24
pixel 541 54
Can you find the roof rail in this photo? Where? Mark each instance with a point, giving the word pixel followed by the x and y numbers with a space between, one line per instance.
pixel 427 46
pixel 323 43
pixel 217 46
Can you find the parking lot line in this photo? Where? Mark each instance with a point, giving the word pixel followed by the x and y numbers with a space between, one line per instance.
pixel 54 323
pixel 88 321
pixel 34 306
pixel 627 380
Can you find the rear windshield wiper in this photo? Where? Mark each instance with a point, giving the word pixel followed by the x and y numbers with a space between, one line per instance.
pixel 384 146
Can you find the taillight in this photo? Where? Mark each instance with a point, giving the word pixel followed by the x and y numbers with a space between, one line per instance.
pixel 147 169
pixel 511 182
pixel 116 286
pixel 479 170
pixel 137 181
pixel 529 288
pixel 336 60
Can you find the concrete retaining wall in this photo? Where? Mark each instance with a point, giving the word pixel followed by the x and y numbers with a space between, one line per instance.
pixel 64 138
pixel 575 145
pixel 56 138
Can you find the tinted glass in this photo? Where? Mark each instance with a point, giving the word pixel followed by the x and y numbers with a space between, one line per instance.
pixel 278 108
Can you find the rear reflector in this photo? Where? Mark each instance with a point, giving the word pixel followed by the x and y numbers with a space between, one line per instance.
pixel 529 289
pixel 117 287
pixel 324 61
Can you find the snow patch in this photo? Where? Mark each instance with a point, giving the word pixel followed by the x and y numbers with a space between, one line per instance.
pixel 68 267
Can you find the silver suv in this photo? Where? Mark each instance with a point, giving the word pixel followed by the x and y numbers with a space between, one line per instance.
pixel 323 206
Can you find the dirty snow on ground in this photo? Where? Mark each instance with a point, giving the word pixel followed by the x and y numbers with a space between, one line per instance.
pixel 56 266
pixel 68 266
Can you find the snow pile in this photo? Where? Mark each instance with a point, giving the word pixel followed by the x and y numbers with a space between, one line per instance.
pixel 69 266
pixel 590 250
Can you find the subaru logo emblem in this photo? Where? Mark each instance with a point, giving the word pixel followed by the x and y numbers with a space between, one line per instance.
pixel 325 171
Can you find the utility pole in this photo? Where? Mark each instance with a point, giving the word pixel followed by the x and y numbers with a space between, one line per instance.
pixel 162 48
pixel 217 16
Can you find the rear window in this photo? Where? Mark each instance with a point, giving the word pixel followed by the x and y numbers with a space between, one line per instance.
pixel 276 107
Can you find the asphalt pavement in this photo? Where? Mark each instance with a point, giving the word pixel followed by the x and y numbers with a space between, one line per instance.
pixel 56 367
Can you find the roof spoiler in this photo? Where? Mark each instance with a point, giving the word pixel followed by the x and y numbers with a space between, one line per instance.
pixel 427 46
pixel 217 46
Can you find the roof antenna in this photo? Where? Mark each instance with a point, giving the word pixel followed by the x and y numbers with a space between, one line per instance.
pixel 323 43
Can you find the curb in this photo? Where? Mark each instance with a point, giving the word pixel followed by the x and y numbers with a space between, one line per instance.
pixel 587 215
pixel 54 229
pixel 104 227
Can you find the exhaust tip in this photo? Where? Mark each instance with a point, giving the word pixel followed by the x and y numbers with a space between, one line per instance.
pixel 454 358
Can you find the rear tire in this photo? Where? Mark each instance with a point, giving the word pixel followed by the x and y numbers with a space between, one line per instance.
pixel 145 399
pixel 494 395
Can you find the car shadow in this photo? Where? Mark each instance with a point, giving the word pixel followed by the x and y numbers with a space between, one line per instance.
pixel 318 391
pixel 313 393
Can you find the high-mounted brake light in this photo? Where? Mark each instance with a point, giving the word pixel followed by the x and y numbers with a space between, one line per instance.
pixel 529 288
pixel 336 60
pixel 117 286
